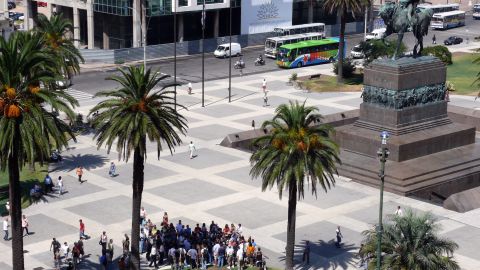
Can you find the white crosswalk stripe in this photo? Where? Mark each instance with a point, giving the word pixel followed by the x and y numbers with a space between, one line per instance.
pixel 79 95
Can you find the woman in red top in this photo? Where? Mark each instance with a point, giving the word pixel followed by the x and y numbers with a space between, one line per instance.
pixel 226 230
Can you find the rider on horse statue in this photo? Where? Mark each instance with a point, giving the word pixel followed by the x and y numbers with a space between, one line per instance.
pixel 405 17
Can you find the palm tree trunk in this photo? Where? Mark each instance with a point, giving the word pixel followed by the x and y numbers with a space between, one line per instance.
pixel 292 217
pixel 16 202
pixel 137 187
pixel 341 46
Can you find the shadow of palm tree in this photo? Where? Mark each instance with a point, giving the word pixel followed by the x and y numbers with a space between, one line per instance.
pixel 335 258
pixel 88 162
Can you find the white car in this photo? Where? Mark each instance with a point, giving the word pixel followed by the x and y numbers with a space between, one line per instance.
pixel 356 52
pixel 223 50
pixel 376 34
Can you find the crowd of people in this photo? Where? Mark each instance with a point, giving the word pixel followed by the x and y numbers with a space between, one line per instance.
pixel 182 246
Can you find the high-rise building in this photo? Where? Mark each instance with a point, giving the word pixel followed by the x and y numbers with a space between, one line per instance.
pixel 113 24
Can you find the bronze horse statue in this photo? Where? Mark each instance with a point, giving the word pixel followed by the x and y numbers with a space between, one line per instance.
pixel 402 17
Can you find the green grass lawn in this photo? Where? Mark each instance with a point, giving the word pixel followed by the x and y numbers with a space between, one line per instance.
pixel 28 178
pixel 463 72
pixel 329 84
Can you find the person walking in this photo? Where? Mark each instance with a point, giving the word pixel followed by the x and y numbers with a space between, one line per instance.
pixel 265 98
pixel 112 170
pixel 55 245
pixel 339 236
pixel 82 230
pixel 109 249
pixel 264 85
pixel 306 252
pixel 80 174
pixel 60 185
pixel 48 183
pixel 126 245
pixel 104 241
pixel 189 88
pixel 434 39
pixel 192 149
pixel 25 225
pixel 399 211
pixel 153 257
pixel 5 228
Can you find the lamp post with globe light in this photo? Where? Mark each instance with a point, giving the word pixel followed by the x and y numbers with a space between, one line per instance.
pixel 383 155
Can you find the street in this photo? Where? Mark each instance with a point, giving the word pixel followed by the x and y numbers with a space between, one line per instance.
pixel 189 68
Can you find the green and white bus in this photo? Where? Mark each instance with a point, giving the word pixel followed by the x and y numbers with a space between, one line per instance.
pixel 306 53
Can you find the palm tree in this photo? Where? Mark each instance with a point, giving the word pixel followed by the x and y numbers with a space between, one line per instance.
pixel 126 118
pixel 26 128
pixel 295 153
pixel 57 31
pixel 341 7
pixel 410 241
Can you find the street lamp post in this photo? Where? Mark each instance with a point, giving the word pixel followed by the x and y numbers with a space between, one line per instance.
pixel 230 58
pixel 175 55
pixel 203 54
pixel 383 154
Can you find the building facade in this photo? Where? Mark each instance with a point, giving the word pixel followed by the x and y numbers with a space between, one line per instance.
pixel 114 24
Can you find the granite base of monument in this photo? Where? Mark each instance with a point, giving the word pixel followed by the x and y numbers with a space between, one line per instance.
pixel 430 156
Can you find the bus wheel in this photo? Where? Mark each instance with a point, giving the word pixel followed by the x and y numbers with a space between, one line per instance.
pixel 299 65
pixel 331 59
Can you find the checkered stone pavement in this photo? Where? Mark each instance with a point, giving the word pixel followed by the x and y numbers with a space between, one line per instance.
pixel 216 185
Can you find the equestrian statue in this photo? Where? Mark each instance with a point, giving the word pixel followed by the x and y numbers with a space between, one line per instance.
pixel 404 16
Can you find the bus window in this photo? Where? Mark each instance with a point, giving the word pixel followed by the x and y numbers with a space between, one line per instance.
pixel 292 55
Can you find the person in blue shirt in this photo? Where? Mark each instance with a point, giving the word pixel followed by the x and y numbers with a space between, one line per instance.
pixel 48 183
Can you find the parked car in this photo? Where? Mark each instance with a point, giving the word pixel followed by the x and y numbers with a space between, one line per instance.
pixel 15 15
pixel 357 52
pixel 223 50
pixel 453 40
pixel 376 34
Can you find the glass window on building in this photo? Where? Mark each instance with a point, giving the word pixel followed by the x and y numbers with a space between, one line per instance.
pixel 200 2
pixel 313 11
pixel 182 3
pixel 115 7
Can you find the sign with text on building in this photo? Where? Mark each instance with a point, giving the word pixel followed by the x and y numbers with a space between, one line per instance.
pixel 260 16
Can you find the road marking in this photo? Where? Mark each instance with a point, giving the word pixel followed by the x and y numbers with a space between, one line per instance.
pixel 79 95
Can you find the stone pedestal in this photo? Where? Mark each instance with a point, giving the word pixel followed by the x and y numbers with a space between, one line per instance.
pixel 406 98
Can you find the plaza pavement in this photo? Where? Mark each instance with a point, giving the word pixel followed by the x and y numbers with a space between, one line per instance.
pixel 216 186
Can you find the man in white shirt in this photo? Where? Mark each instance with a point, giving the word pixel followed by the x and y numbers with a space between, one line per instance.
pixel 240 229
pixel 240 256
pixel 230 253
pixel 65 250
pixel 192 149
pixel 5 228
pixel 264 85
pixel 399 211
pixel 215 253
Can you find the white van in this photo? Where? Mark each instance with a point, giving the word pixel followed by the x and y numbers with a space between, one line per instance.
pixel 222 50
pixel 376 34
